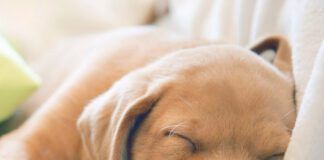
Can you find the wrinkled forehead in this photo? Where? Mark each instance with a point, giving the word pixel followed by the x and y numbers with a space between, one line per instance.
pixel 222 87
pixel 234 87
pixel 228 91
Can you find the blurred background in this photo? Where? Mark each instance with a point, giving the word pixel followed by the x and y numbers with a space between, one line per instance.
pixel 33 26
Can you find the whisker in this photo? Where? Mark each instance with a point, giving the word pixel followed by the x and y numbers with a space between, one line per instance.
pixel 172 128
pixel 185 101
pixel 288 113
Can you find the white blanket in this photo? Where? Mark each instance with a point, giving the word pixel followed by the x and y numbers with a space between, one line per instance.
pixel 242 22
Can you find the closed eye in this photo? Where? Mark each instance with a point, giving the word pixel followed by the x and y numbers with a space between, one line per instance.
pixel 190 141
pixel 278 156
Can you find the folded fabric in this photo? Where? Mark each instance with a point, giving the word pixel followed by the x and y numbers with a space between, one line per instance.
pixel 17 81
pixel 307 140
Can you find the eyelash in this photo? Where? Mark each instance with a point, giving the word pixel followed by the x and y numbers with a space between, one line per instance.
pixel 275 156
pixel 194 146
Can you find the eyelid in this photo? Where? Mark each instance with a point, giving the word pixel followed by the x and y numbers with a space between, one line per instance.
pixel 278 154
pixel 172 133
pixel 275 156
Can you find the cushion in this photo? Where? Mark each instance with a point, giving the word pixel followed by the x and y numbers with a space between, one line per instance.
pixel 17 81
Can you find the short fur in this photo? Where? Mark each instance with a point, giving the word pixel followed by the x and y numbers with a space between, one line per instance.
pixel 203 102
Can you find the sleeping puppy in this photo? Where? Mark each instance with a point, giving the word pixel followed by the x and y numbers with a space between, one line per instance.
pixel 201 101
pixel 210 102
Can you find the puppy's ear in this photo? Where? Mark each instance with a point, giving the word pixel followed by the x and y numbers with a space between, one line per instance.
pixel 280 47
pixel 106 123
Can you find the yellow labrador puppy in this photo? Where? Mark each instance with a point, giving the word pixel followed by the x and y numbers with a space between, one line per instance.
pixel 199 101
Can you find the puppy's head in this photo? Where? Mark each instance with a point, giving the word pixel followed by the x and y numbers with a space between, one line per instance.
pixel 213 102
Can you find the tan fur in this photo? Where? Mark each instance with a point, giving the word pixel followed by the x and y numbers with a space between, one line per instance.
pixel 225 99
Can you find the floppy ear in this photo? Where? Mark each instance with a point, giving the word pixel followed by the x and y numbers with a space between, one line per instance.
pixel 281 48
pixel 106 123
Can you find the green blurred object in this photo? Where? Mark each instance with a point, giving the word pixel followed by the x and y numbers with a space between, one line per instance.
pixel 17 81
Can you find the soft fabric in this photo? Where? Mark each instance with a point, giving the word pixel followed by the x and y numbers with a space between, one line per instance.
pixel 308 139
pixel 241 22
pixel 17 81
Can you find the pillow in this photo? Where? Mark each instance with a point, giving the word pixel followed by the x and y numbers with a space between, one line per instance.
pixel 17 81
